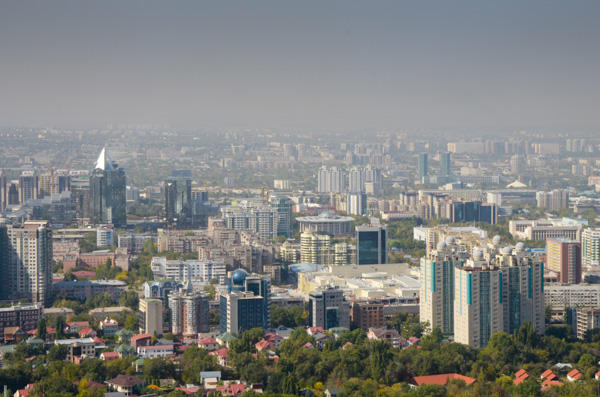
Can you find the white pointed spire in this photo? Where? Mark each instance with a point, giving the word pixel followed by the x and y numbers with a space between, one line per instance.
pixel 104 162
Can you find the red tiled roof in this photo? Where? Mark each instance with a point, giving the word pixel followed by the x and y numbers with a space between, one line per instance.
pixel 520 373
pixel 441 379
pixel 263 344
pixel 80 323
pixel 190 391
pixel 86 331
pixel 308 344
pixel 575 374
pixel 548 373
pixel 110 354
pixel 207 341
pixel 548 383
pixel 141 336
pixel 221 352
pixel 231 389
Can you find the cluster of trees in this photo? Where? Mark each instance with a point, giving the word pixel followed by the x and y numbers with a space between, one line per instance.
pixel 292 317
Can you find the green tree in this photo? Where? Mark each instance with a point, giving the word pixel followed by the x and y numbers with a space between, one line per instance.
pixel 41 328
pixel 59 325
pixel 58 353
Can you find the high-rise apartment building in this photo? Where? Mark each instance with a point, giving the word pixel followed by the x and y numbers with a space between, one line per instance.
pixel 472 296
pixel 3 191
pixel 356 203
pixel 422 166
pixel 178 202
pixel 371 245
pixel 247 304
pixel 105 236
pixel 328 308
pixel 478 311
pixel 563 256
pixel 516 164
pixel 437 286
pixel 554 200
pixel 262 219
pixel 331 180
pixel 189 312
pixel 28 186
pixel 315 248
pixel 590 246
pixel 107 202
pixel 151 316
pixel 445 164
pixel 26 262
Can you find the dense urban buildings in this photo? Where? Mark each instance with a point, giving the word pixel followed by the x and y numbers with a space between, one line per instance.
pixel 189 313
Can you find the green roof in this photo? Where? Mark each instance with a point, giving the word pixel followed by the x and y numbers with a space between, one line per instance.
pixel 124 332
pixel 35 340
pixel 139 362
pixel 125 349
pixel 226 337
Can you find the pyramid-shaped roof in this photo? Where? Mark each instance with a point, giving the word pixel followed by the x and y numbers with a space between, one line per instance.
pixel 104 162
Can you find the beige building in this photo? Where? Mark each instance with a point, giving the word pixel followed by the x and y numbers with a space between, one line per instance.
pixel 478 310
pixel 315 248
pixel 586 318
pixel 151 311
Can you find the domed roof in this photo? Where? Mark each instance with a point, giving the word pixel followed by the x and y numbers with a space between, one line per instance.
pixel 239 276
pixel 327 214
pixel 449 240
pixel 520 246
pixel 477 254
pixel 506 250
pixel 497 239
pixel 441 245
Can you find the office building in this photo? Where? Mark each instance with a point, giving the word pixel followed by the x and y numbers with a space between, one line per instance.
pixel 26 262
pixel 563 256
pixel 189 313
pixel 283 205
pixel 590 247
pixel 545 229
pixel 105 236
pixel 151 316
pixel 328 308
pixel 371 245
pixel 178 202
pixel 445 164
pixel 107 202
pixel 553 200
pixel 133 243
pixel 356 203
pixel 247 304
pixel 422 167
pixel 560 297
pixel 478 310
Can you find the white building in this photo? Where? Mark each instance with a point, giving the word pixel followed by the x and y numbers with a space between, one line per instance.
pixel 590 247
pixel 197 272
pixel 155 351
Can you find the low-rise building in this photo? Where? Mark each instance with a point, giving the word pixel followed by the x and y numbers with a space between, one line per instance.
pixel 125 384
pixel 24 317
pixel 77 348
pixel 390 335
pixel 109 327
pixel 155 351
pixel 83 290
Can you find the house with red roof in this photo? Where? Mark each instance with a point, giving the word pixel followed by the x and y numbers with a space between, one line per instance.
pixel 520 376
pixel 274 339
pixel 314 330
pixel 222 358
pixel 140 340
pixel 76 326
pixel 548 374
pixel 50 334
pixel 190 391
pixel 597 376
pixel 231 390
pixel 308 345
pixel 87 333
pixel 574 375
pixel 441 379
pixel 109 327
pixel 25 392
pixel 208 344
pixel 347 345
pixel 548 383
pixel 263 345
pixel 109 356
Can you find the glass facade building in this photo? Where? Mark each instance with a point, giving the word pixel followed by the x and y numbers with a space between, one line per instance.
pixel 178 202
pixel 107 202
pixel 371 245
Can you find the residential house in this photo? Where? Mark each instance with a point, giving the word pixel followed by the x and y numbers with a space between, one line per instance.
pixel 222 358
pixel 125 384
pixel 208 344
pixel 390 335
pixel 109 327
pixel 156 351
pixel 109 356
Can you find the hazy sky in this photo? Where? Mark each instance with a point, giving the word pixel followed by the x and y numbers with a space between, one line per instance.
pixel 385 64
